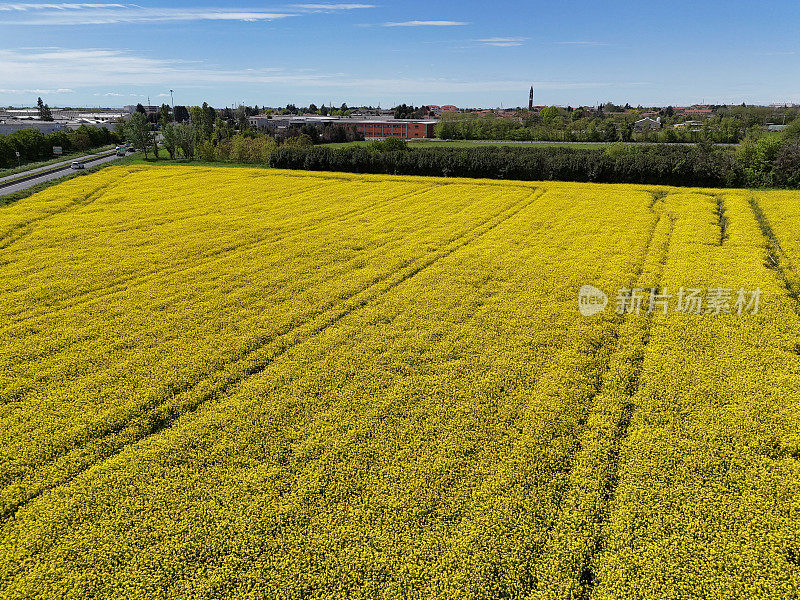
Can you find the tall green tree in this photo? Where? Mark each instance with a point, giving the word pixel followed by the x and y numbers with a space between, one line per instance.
pixel 170 139
pixel 137 132
pixel 181 114
pixel 163 115
pixel 185 139
pixel 548 114
pixel 242 123
pixel 44 110
pixel 203 120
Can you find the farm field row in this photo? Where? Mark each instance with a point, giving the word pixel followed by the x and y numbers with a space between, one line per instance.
pixel 242 383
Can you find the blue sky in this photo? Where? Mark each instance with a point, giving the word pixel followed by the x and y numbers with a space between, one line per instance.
pixel 466 53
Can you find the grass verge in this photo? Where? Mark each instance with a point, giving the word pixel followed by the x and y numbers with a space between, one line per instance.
pixel 63 158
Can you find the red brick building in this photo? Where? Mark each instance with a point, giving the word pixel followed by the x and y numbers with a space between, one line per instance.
pixel 395 128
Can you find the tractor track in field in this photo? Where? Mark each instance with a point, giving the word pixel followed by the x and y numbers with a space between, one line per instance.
pixel 8 238
pixel 327 278
pixel 528 578
pixel 584 575
pixel 527 186
pixel 156 419
pixel 777 259
pixel 609 481
pixel 90 296
pixel 722 219
pixel 141 278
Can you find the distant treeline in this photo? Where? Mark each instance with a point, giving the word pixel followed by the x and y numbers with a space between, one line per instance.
pixel 33 145
pixel 771 163
pixel 726 125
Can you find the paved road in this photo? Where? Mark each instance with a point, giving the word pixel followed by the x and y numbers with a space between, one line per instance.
pixel 65 163
pixel 15 187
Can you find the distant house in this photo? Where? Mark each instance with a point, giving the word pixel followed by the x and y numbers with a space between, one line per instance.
pixel 776 128
pixel 647 124
pixel 688 126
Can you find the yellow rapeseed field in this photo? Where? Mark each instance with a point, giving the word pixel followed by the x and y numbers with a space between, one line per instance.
pixel 251 383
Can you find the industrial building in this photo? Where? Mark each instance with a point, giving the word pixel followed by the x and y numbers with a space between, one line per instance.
pixel 12 125
pixel 370 128
pixel 14 119
pixel 149 109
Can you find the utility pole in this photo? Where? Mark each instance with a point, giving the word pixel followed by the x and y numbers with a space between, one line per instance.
pixel 172 99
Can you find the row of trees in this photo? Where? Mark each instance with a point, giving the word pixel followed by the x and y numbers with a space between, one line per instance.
pixel 402 111
pixel 327 133
pixel 728 125
pixel 205 139
pixel 292 109
pixel 33 145
pixel 772 161
pixel 236 118
pixel 674 165
pixel 405 111
pixel 224 135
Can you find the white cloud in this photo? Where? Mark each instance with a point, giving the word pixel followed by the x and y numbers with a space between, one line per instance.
pixel 503 42
pixel 582 43
pixel 90 69
pixel 787 53
pixel 22 6
pixel 332 6
pixel 99 14
pixel 426 24
pixel 97 67
pixel 37 91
